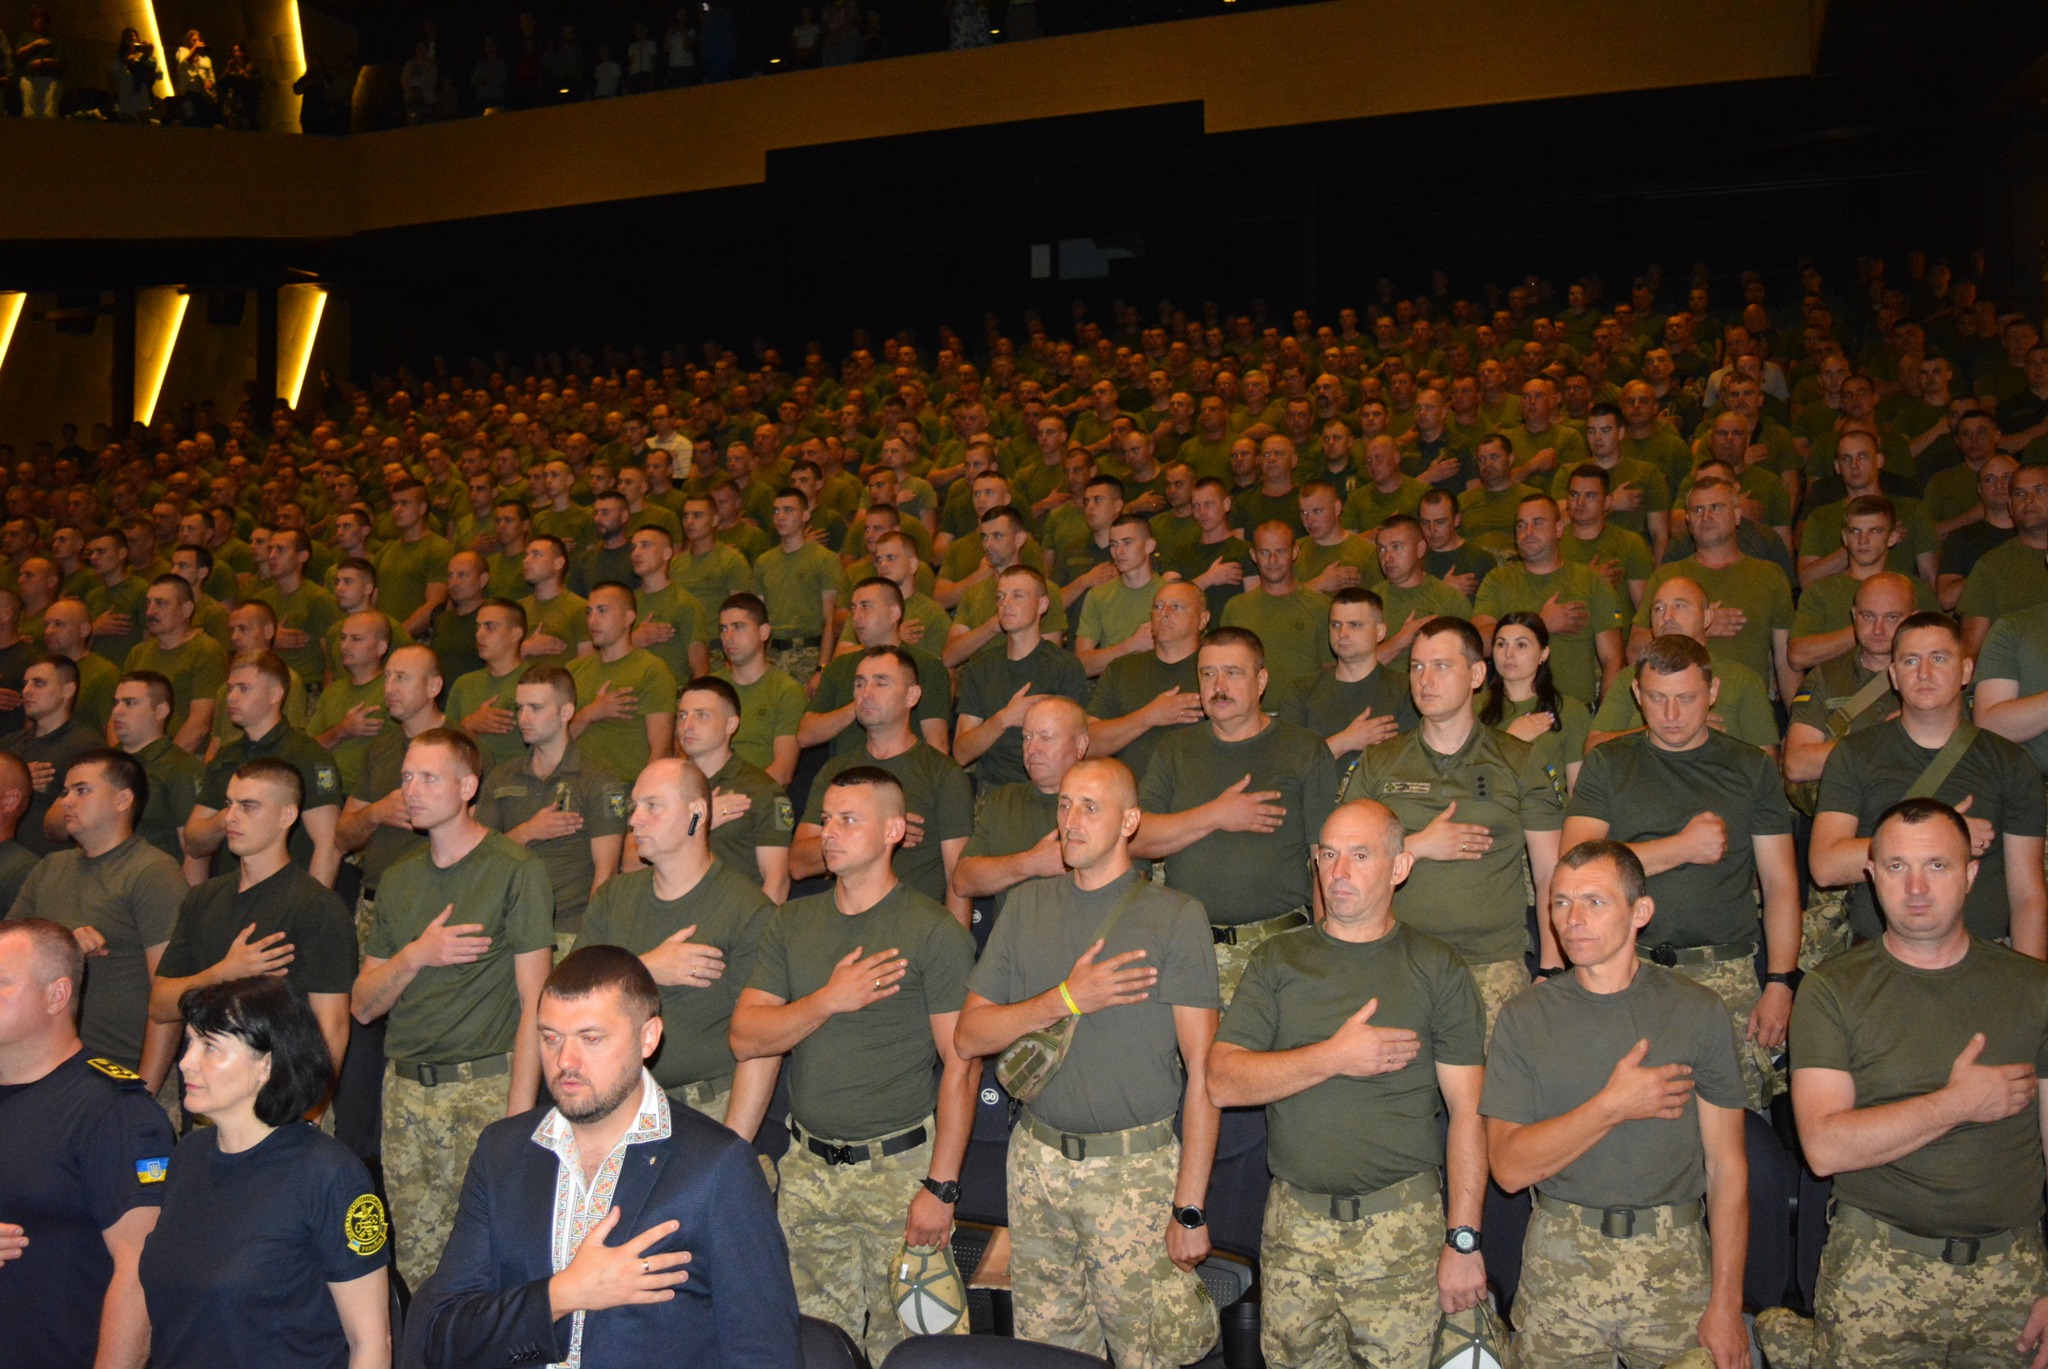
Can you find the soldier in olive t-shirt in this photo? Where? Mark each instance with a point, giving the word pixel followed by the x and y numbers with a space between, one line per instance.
pixel 769 822
pixel 1294 627
pixel 835 691
pixel 1127 685
pixel 935 789
pixel 1326 705
pixel 770 707
pixel 479 687
pixel 623 745
pixel 991 679
pixel 1014 818
pixel 510 796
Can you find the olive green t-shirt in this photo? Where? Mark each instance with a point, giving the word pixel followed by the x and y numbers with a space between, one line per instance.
pixel 729 913
pixel 1294 628
pixel 1832 685
pixel 770 821
pixel 578 784
pixel 1128 684
pixel 351 753
pixel 621 744
pixel 1350 1136
pixel 1897 1030
pixel 1554 1047
pixel 174 775
pixel 1114 611
pixel 1014 818
pixel 319 927
pixel 1429 598
pixel 869 1073
pixel 1326 705
pixel 1369 506
pixel 318 773
pixel 124 598
pixel 1562 746
pixel 455 1013
pixel 471 692
pixel 677 607
pixel 978 605
pixel 94 703
pixel 1640 475
pixel 195 671
pixel 309 609
pixel 793 586
pixel 563 616
pixel 1574 656
pixel 1822 534
pixel 1362 554
pixel 1488 516
pixel 1124 1068
pixel 770 707
pixel 1479 906
pixel 835 691
pixel 298 710
pixel 1613 544
pixel 1756 587
pixel 1825 605
pixel 712 578
pixel 1644 792
pixel 2017 650
pixel 935 788
pixel 1744 706
pixel 383 765
pixel 1244 876
pixel 991 679
pixel 405 570
pixel 2009 577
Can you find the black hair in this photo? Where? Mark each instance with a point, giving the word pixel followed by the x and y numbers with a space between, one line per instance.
pixel 1548 700
pixel 272 1018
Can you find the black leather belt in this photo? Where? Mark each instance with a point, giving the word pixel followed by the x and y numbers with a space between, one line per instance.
pixel 859 1153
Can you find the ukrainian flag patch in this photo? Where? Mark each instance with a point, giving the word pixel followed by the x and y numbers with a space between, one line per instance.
pixel 152 1170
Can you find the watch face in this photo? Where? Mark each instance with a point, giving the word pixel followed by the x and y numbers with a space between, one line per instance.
pixel 1464 1240
pixel 1190 1217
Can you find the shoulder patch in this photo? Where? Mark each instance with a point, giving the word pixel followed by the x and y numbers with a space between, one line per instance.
pixel 119 1073
pixel 364 1226
pixel 326 778
pixel 619 803
pixel 153 1169
pixel 785 814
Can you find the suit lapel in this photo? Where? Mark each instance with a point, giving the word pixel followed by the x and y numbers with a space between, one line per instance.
pixel 638 1176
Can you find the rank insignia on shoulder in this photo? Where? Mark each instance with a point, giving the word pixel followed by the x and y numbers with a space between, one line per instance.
pixel 152 1170
pixel 364 1226
pixel 120 1073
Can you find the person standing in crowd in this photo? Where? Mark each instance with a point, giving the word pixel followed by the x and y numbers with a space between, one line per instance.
pixel 1143 698
pixel 626 696
pixel 484 702
pixel 49 741
pixel 255 702
pixel 1018 838
pixel 752 821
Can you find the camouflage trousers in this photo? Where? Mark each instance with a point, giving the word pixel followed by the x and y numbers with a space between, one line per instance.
pixel 366 913
pixel 1823 927
pixel 1586 1298
pixel 1339 1294
pixel 1233 956
pixel 1088 1261
pixel 1735 982
pixel 715 1105
pixel 1879 1305
pixel 1498 981
pixel 798 662
pixel 428 1136
pixel 844 1224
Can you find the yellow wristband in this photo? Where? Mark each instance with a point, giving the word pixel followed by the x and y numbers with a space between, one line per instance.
pixel 1072 1006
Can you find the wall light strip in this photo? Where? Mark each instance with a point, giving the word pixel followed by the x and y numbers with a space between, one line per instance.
pixel 159 314
pixel 299 308
pixel 12 302
pixel 164 56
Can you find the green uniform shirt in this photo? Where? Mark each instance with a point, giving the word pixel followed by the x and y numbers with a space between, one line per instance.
pixel 1574 656
pixel 793 585
pixel 1639 475
pixel 332 643
pixel 1294 628
pixel 507 574
pixel 991 679
pixel 621 744
pixel 174 776
pixel 1131 682
pixel 318 926
pixel 1014 818
pixel 1613 544
pixel 1369 506
pixel 1326 705
pixel 835 691
pixel 383 764
pixel 1564 745
pixel 1756 587
pixel 1124 1068
pixel 870 1073
pixel 564 617
pixel 978 605
pixel 1253 507
pixel 1832 685
pixel 60 748
pixel 573 525
pixel 1744 706
pixel 471 692
pixel 350 754
pixel 1200 556
pixel 676 606
pixel 1480 907
pixel 317 772
pixel 195 671
pixel 2017 650
pixel 308 609
pixel 126 598
pixel 2009 577
pixel 1467 558
pixel 1897 1030
pixel 1822 534
pixel 94 702
pixel 1244 876
pixel 1663 449
pixel 1870 770
pixel 1430 598
pixel 1644 792
pixel 1362 554
pixel 746 538
pixel 598 564
pixel 1825 605
pixel 450 1014
pixel 298 710
pixel 405 570
pixel 1356 1136
pixel 1554 1048
pixel 935 788
pixel 770 707
pixel 770 822
pixel 729 913
pixel 1488 516
pixel 511 794
pixel 1114 611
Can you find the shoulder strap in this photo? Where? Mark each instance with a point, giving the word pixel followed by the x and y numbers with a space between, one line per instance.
pixel 1944 762
pixel 1121 906
pixel 1844 715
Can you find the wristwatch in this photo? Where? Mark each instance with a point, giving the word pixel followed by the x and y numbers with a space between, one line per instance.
pixel 947 1192
pixel 1789 978
pixel 1463 1239
pixel 1191 1217
pixel 1550 971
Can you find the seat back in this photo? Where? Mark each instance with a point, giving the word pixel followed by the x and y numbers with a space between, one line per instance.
pixel 827 1346
pixel 985 1352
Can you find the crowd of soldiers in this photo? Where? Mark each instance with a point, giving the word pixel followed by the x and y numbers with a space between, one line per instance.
pixel 1473 725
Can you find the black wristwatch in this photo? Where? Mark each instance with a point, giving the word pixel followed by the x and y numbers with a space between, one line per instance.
pixel 947 1192
pixel 1789 978
pixel 1463 1239
pixel 1551 971
pixel 1191 1217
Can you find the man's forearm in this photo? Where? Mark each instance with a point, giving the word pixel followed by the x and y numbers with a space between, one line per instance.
pixel 1168 834
pixel 1241 1078
pixel 976 737
pixel 816 729
pixel 204 831
pixel 987 1029
pixel 753 1087
pixel 124 1322
pixel 959 1089
pixel 1465 1169
pixel 378 987
pixel 525 1066
pixel 1200 1122
pixel 763 1030
pixel 159 1052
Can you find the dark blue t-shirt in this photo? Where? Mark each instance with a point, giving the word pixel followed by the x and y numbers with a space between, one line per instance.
pixel 79 1148
pixel 236 1272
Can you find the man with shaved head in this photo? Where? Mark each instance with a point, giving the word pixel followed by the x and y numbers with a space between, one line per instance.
pixel 1015 839
pixel 67 632
pixel 1093 1161
pixel 16 860
pixel 696 923
pixel 1352 1034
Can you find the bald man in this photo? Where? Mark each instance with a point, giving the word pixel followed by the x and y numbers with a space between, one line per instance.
pixel 1015 838
pixel 16 860
pixel 1678 606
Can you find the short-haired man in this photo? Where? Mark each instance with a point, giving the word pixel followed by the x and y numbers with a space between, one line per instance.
pixel 86 1152
pixel 1411 594
pixel 453 637
pixel 1824 548
pixel 771 703
pixel 803 585
pixel 267 917
pixel 1679 607
pixel 626 696
pixel 1482 813
pixel 1115 616
pixel 940 812
pixel 1015 837
pixel 1931 750
pixel 1618 556
pixel 1353 703
pixel 1637 496
pixel 255 697
pixel 696 923
pixel 1581 611
pixel 876 620
pixel 193 662
pixel 1707 817
pixel 1386 489
pixel 119 896
pixel 1449 555
pixel 1822 627
pixel 460 996
pixel 925 621
pixel 996 687
pixel 142 709
pixel 1750 597
pixel 706 566
pixel 1620 1153
pixel 1352 1035
pixel 670 622
pixel 49 741
pixel 566 807
pixel 114 598
pixel 67 632
pixel 1916 1086
pixel 304 611
pixel 1142 698
pixel 1851 692
pixel 752 822
pixel 546 1260
pixel 1328 556
pixel 1096 1179
pixel 558 629
pixel 607 552
pixel 252 627
pixel 861 986
pixel 1004 538
pixel 482 703
pixel 16 860
pixel 1486 511
pixel 2014 574
pixel 1231 805
pixel 412 568
pixel 350 710
pixel 1292 621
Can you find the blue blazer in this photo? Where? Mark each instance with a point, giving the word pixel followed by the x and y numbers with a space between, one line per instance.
pixel 487 1303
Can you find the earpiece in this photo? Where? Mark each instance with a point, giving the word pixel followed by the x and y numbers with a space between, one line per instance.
pixel 695 818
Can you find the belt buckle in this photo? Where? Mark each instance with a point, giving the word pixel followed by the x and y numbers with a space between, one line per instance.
pixel 1666 955
pixel 1226 936
pixel 1618 1223
pixel 1072 1146
pixel 430 1076
pixel 1346 1209
pixel 1959 1250
pixel 838 1155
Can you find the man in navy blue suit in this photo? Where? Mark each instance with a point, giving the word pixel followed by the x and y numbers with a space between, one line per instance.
pixel 608 1230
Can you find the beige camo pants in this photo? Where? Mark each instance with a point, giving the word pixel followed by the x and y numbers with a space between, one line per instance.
pixel 1498 982
pixel 1735 982
pixel 1339 1294
pixel 428 1136
pixel 844 1224
pixel 1877 1305
pixel 1586 1298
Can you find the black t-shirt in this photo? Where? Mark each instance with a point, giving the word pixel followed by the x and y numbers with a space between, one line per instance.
pixel 314 920
pixel 81 1147
pixel 236 1272
pixel 1963 548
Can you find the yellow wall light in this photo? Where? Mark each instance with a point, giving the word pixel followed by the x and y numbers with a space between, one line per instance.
pixel 159 313
pixel 298 326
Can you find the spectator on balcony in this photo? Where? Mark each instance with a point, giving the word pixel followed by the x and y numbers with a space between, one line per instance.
pixel 41 67
pixel 134 73
pixel 488 79
pixel 680 45
pixel 842 33
pixel 241 85
pixel 641 56
pixel 200 103
pixel 563 66
pixel 419 81
pixel 607 78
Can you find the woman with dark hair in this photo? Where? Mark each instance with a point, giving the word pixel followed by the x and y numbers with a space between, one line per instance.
pixel 271 1250
pixel 1523 701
